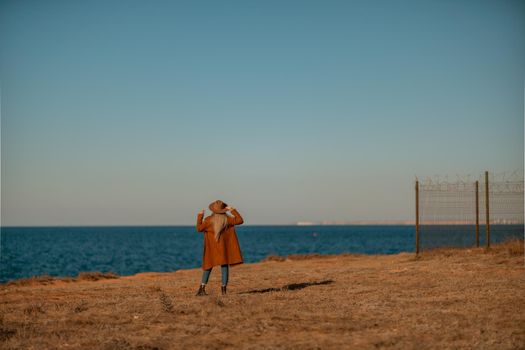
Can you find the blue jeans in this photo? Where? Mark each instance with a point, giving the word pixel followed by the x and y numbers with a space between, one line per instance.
pixel 224 272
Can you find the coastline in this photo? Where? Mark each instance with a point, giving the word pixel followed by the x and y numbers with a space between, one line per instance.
pixel 101 275
pixel 445 298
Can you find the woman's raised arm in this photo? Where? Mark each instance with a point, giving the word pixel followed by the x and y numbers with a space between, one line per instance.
pixel 236 219
pixel 200 225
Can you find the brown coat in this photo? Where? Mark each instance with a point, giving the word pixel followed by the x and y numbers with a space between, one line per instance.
pixel 226 250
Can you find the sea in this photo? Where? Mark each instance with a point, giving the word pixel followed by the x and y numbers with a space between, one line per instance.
pixel 126 250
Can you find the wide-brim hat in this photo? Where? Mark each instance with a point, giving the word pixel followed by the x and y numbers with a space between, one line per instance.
pixel 218 207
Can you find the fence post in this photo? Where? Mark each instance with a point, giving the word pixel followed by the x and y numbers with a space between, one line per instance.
pixel 487 211
pixel 477 213
pixel 417 217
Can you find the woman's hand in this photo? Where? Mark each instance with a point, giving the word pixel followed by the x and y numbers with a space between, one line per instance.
pixel 230 208
pixel 202 211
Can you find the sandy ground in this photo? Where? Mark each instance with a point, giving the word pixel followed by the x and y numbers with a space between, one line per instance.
pixel 451 298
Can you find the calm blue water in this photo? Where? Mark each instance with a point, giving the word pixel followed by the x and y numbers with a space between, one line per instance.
pixel 66 251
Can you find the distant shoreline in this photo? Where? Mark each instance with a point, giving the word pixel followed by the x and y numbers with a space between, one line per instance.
pixel 299 223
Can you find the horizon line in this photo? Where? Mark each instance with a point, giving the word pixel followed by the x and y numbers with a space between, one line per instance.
pixel 191 225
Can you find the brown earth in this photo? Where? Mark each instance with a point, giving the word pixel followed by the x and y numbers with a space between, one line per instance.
pixel 448 298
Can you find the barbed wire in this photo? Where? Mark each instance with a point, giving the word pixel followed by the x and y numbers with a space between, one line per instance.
pixel 448 212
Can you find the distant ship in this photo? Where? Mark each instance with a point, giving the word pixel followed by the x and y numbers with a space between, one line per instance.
pixel 306 223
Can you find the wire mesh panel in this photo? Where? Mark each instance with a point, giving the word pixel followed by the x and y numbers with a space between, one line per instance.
pixel 454 213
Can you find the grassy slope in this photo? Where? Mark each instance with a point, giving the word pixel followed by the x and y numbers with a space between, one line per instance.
pixel 449 298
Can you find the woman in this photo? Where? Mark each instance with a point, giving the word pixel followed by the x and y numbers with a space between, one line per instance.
pixel 221 246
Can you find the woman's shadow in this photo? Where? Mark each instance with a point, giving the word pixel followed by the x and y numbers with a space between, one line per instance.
pixel 292 286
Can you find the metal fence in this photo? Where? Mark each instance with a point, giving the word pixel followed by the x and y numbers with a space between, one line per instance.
pixel 469 211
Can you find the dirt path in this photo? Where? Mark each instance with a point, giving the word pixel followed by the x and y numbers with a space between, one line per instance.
pixel 445 299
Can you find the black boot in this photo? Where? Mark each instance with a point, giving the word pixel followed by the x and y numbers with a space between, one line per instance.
pixel 223 290
pixel 201 290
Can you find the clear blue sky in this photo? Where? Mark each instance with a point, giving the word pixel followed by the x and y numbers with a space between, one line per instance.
pixel 143 112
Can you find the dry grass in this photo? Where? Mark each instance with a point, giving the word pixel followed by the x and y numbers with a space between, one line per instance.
pixel 448 298
pixel 295 257
pixel 512 247
pixel 45 279
pixel 95 276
